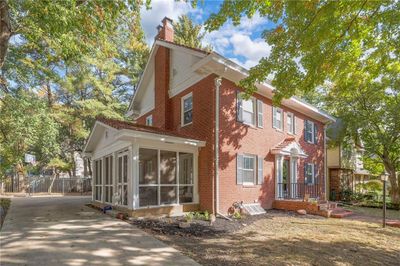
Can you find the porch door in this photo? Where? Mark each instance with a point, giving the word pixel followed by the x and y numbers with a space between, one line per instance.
pixel 285 178
pixel 122 180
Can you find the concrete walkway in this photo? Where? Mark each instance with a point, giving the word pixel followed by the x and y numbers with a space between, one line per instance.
pixel 62 231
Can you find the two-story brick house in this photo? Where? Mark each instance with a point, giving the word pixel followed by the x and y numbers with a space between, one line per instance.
pixel 195 143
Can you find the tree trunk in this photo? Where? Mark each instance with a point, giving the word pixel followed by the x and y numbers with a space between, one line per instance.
pixel 5 30
pixel 394 183
pixel 89 163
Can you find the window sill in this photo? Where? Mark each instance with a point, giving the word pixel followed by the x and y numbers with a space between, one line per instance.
pixel 249 125
pixel 292 134
pixel 278 129
pixel 184 125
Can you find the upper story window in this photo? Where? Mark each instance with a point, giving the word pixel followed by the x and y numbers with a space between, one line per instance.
pixel 310 132
pixel 149 120
pixel 309 173
pixel 277 118
pixel 249 111
pixel 187 109
pixel 291 123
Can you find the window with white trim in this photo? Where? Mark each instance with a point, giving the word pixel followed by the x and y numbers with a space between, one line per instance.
pixel 122 178
pixel 165 177
pixel 291 123
pixel 98 179
pixel 277 118
pixel 149 120
pixel 249 169
pixel 249 111
pixel 309 173
pixel 310 132
pixel 187 109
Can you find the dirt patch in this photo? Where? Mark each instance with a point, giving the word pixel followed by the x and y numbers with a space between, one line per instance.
pixel 285 238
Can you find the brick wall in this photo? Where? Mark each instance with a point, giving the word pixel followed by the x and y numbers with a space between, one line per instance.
pixel 234 137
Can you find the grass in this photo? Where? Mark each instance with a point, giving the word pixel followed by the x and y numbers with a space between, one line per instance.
pixel 282 239
pixel 374 212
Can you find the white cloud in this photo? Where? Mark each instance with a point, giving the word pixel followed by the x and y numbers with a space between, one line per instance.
pixel 231 41
pixel 159 9
pixel 237 41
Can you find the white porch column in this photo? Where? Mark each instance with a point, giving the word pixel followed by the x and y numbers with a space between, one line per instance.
pixel 114 176
pixel 135 175
pixel 130 177
pixel 278 176
pixel 293 176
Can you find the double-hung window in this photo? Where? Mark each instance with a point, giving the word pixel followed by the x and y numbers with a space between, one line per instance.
pixel 310 132
pixel 277 118
pixel 249 111
pixel 249 169
pixel 187 109
pixel 291 124
pixel 309 173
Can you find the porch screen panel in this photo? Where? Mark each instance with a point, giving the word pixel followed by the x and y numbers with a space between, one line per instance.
pixel 148 177
pixel 98 180
pixel 108 179
pixel 186 178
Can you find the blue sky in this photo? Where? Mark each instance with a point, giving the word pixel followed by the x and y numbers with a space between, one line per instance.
pixel 242 44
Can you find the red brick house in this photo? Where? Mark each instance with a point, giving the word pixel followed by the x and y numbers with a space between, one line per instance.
pixel 195 143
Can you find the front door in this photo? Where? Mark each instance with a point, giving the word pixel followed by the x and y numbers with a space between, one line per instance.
pixel 285 178
pixel 122 179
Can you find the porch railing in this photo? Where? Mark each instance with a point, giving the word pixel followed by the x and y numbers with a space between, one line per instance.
pixel 299 190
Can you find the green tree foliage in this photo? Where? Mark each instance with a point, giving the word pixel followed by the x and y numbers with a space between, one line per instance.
pixel 83 56
pixel 348 48
pixel 27 125
pixel 186 32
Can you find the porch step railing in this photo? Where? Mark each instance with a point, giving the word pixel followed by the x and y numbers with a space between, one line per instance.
pixel 298 190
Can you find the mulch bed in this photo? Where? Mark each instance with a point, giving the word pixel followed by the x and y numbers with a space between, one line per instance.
pixel 200 228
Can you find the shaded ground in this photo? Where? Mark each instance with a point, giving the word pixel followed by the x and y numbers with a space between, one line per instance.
pixel 62 231
pixel 280 238
pixel 371 214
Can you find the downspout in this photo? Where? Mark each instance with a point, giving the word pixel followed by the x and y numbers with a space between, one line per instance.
pixel 217 83
pixel 326 165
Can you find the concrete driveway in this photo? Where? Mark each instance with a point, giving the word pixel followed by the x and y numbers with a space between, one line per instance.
pixel 62 231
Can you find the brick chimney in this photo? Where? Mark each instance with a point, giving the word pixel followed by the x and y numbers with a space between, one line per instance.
pixel 166 30
pixel 163 117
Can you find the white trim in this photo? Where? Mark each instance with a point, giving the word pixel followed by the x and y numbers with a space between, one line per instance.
pixel 312 131
pixel 243 71
pixel 293 123
pixel 183 98
pixel 274 112
pixel 255 169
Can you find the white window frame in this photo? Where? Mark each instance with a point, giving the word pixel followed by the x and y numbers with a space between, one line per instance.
pixel 110 176
pixel 312 173
pixel 292 128
pixel 177 185
pixel 254 157
pixel 260 113
pixel 149 120
pixel 121 184
pixel 274 116
pixel 183 111
pixel 98 175
pixel 254 113
pixel 312 124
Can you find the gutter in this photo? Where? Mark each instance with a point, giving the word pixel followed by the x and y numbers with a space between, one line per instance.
pixel 217 83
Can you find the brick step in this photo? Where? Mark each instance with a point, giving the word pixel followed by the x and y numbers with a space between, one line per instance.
pixel 393 223
pixel 340 213
pixel 327 205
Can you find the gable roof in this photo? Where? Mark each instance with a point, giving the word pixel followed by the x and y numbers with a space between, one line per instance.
pixel 126 130
pixel 213 62
pixel 290 147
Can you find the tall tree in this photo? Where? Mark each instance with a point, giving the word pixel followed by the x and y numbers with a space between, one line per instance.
pixel 349 47
pixel 85 65
pixel 27 125
pixel 186 32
